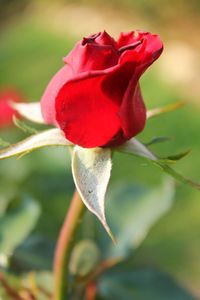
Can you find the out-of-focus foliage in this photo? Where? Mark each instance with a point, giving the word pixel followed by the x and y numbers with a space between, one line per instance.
pixel 84 258
pixel 125 282
pixel 30 54
pixel 132 212
pixel 16 223
pixel 10 8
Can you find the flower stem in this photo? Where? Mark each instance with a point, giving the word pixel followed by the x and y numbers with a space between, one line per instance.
pixel 64 246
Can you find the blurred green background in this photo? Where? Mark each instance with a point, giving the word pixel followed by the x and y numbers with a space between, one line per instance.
pixel 34 36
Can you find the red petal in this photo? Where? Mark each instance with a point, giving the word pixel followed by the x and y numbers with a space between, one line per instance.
pixel 102 107
pixel 86 114
pixel 146 52
pixel 91 57
pixel 132 112
pixel 127 39
pixel 49 96
pixel 153 45
pixel 105 39
pixel 93 54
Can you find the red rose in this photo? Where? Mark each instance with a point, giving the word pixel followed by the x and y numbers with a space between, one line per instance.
pixel 6 111
pixel 95 98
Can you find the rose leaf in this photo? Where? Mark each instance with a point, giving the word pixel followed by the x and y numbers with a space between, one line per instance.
pixel 17 224
pixel 84 258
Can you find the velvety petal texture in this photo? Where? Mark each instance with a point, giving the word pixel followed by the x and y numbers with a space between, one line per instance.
pixel 96 98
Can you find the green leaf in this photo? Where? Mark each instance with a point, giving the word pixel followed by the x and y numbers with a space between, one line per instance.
pixel 91 169
pixel 135 147
pixel 23 126
pixel 43 281
pixel 125 282
pixel 8 190
pixel 30 111
pixel 51 137
pixel 168 108
pixel 84 258
pixel 133 211
pixel 36 252
pixel 16 225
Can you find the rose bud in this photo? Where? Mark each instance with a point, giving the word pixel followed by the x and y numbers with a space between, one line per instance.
pixel 6 111
pixel 95 98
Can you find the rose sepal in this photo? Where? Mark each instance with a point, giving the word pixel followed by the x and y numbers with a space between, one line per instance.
pixel 50 137
pixel 91 169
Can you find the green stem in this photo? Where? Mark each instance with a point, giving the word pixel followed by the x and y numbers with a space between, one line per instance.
pixel 64 246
